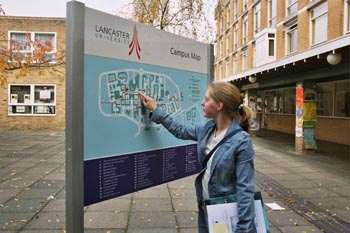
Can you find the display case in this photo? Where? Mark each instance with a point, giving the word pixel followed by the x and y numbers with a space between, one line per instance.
pixel 31 99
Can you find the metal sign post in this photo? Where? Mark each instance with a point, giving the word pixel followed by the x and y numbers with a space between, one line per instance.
pixel 112 147
pixel 74 118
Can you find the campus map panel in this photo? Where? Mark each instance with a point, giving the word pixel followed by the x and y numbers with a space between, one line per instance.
pixel 123 150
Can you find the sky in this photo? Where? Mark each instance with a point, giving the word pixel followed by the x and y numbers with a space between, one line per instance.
pixel 56 8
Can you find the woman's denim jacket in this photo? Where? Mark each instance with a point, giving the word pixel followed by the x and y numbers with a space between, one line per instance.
pixel 232 169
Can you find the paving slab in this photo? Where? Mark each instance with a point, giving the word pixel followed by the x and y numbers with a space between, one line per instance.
pixel 32 190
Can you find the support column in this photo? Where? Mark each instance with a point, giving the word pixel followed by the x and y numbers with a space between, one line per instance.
pixel 305 119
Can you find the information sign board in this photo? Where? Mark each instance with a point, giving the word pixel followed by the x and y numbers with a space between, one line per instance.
pixel 123 150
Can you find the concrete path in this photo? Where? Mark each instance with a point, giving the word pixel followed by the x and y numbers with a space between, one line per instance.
pixel 314 190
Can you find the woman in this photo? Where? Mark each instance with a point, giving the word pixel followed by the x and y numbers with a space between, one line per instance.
pixel 230 169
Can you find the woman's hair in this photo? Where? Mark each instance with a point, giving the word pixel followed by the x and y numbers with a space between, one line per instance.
pixel 232 99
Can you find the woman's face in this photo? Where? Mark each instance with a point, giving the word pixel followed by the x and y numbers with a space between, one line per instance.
pixel 209 106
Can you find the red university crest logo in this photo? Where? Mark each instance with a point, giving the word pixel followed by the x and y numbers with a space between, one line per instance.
pixel 134 44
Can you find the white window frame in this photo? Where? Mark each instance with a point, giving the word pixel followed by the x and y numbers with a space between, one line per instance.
pixel 257 17
pixel 254 53
pixel 228 43
pixel 32 35
pixel 221 25
pixel 271 37
pixel 245 5
pixel 221 48
pixel 32 101
pixel 235 14
pixel 291 7
pixel 346 17
pixel 228 15
pixel 215 51
pixel 245 60
pixel 265 42
pixel 235 40
pixel 320 12
pixel 227 62
pixel 235 63
pixel 291 30
pixel 245 29
pixel 221 74
pixel 272 13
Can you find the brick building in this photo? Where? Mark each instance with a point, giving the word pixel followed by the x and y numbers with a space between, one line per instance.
pixel 272 49
pixel 37 100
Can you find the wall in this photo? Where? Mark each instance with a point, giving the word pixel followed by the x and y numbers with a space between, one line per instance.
pixel 281 123
pixel 57 76
pixel 327 129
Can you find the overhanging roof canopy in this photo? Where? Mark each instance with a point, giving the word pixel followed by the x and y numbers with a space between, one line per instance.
pixel 314 57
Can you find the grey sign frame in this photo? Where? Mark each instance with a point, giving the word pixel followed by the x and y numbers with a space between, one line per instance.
pixel 74 144
pixel 74 117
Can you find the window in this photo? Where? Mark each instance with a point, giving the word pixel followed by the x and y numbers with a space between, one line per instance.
pixel 257 18
pixel 280 101
pixel 341 100
pixel 228 43
pixel 236 9
pixel 272 13
pixel 319 23
pixel 333 98
pixel 272 105
pixel 244 60
pixel 271 45
pixel 254 54
pixel 235 63
pixel 215 51
pixel 227 68
pixel 30 99
pixel 292 38
pixel 324 99
pixel 221 25
pixel 27 42
pixel 245 29
pixel 228 15
pixel 292 7
pixel 347 16
pixel 221 71
pixel 265 47
pixel 289 100
pixel 245 5
pixel 221 49
pixel 275 104
pixel 235 41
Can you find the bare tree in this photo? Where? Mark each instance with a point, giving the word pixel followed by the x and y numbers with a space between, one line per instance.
pixel 189 18
pixel 2 12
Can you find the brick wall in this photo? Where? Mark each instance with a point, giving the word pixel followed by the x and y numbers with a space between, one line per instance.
pixel 35 24
pixel 333 130
pixel 303 28
pixel 335 18
pixel 327 129
pixel 281 123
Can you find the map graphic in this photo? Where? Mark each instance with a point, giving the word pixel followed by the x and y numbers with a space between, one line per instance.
pixel 119 97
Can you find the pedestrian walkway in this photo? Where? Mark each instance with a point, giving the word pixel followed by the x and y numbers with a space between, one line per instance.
pixel 314 190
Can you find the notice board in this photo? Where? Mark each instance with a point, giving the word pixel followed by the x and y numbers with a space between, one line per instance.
pixel 123 150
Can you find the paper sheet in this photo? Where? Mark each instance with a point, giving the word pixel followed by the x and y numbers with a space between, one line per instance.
pixel 274 206
pixel 224 218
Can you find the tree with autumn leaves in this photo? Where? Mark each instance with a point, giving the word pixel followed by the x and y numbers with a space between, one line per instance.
pixel 16 59
pixel 189 18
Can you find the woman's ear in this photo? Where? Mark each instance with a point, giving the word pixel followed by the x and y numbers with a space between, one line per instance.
pixel 219 106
